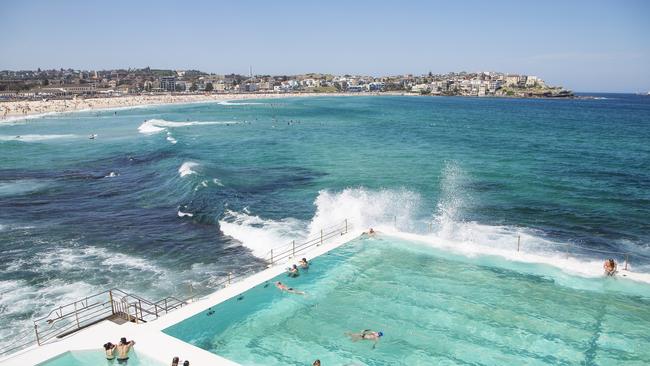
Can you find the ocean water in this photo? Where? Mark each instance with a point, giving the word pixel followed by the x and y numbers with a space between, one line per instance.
pixel 168 196
pixel 433 308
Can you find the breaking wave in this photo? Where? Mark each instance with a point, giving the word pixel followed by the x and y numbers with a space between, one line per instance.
pixel 184 214
pixel 226 102
pixel 261 235
pixel 399 213
pixel 21 187
pixel 36 138
pixel 153 126
pixel 187 168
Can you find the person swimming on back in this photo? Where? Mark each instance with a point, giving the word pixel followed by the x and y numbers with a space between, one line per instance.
pixel 610 267
pixel 293 271
pixel 304 264
pixel 284 287
pixel 109 349
pixel 366 334
pixel 123 349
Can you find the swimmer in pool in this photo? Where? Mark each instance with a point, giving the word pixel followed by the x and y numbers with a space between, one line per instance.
pixel 293 271
pixel 123 350
pixel 284 287
pixel 109 349
pixel 304 264
pixel 366 334
pixel 370 232
pixel 610 267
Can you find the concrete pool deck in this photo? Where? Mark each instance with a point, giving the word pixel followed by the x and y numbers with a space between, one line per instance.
pixel 149 338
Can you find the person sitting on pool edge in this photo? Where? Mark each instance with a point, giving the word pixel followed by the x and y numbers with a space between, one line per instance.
pixel 366 334
pixel 284 287
pixel 109 349
pixel 123 349
pixel 610 267
pixel 293 271
pixel 304 264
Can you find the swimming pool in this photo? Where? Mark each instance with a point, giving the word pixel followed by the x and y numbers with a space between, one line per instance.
pixel 96 358
pixel 434 308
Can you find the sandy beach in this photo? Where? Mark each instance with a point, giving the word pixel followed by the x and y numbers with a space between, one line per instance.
pixel 18 109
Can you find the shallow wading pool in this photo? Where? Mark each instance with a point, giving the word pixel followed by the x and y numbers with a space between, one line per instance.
pixel 433 307
pixel 96 358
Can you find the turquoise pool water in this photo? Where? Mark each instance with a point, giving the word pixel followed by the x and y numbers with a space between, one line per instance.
pixel 96 358
pixel 434 308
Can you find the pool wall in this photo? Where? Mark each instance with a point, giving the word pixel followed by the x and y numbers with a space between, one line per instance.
pixel 150 340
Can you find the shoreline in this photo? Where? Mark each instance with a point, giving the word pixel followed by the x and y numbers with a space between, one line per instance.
pixel 17 110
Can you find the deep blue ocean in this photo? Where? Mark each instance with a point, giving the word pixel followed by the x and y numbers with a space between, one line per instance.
pixel 168 196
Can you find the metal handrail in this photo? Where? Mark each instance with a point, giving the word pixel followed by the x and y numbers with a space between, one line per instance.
pixel 289 250
pixel 79 314
pixel 304 246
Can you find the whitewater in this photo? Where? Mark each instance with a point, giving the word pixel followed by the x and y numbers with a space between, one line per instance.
pixel 169 197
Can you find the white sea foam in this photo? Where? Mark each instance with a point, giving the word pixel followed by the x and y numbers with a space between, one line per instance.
pixel 153 126
pixel 36 138
pixel 393 212
pixel 186 168
pixel 90 257
pixel 217 182
pixel 365 208
pixel 68 273
pixel 112 175
pixel 172 140
pixel 184 214
pixel 261 235
pixel 227 102
pixel 21 186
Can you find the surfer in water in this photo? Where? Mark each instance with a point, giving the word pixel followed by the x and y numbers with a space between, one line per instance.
pixel 610 267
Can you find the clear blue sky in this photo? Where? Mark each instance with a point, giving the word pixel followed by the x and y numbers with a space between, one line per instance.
pixel 583 45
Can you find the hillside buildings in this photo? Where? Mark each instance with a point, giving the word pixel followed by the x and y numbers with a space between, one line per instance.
pixel 68 83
